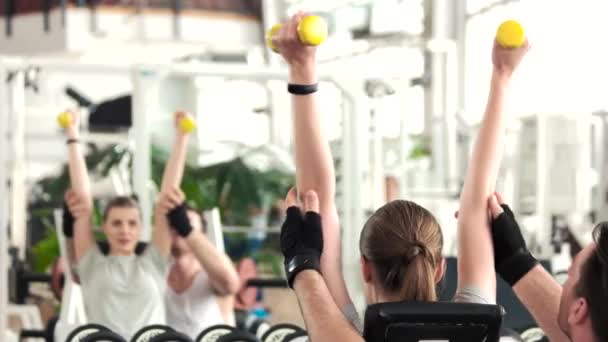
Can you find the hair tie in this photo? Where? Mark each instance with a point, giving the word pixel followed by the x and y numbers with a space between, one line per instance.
pixel 411 254
pixel 418 249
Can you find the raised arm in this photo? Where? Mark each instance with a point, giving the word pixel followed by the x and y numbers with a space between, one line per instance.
pixel 68 232
pixel 302 243
pixel 314 163
pixel 174 169
pixel 172 179
pixel 324 321
pixel 533 285
pixel 540 293
pixel 80 189
pixel 475 265
pixel 222 274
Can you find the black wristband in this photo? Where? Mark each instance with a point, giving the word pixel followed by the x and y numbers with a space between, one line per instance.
pixel 72 141
pixel 67 222
pixel 305 261
pixel 178 218
pixel 302 89
pixel 516 267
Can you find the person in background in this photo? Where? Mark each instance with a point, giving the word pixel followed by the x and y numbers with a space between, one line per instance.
pixel 577 310
pixel 202 281
pixel 122 276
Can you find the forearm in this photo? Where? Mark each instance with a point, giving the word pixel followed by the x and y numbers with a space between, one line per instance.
pixel 70 247
pixel 161 233
pixel 331 259
pixel 487 153
pixel 172 178
pixel 314 163
pixel 315 171
pixel 324 320
pixel 219 267
pixel 84 238
pixel 475 248
pixel 174 169
pixel 540 293
pixel 77 167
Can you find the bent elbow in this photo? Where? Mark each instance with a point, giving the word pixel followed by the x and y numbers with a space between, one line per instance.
pixel 233 284
pixel 229 284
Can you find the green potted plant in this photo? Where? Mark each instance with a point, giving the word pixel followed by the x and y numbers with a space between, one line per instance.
pixel 234 187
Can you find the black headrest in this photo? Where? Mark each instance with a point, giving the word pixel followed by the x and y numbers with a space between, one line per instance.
pixel 416 321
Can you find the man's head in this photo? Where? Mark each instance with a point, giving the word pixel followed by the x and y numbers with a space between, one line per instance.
pixel 583 312
pixel 179 245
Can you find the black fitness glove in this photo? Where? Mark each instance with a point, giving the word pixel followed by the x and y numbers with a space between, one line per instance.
pixel 67 222
pixel 179 221
pixel 301 242
pixel 512 259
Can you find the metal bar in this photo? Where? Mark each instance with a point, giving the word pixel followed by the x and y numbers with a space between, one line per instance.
pixel 269 282
pixel 177 9
pixel 93 13
pixel 3 204
pixel 272 12
pixel 33 333
pixel 228 71
pixel 18 198
pixel 64 66
pixel 489 7
pixel 46 15
pixel 141 24
pixel 145 92
pixel 9 12
pixel 225 70
pixel 64 10
pixel 36 278
pixel 214 230
pixel 355 154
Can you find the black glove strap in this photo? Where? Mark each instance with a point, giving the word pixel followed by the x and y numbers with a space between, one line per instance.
pixel 67 222
pixel 305 261
pixel 516 267
pixel 178 218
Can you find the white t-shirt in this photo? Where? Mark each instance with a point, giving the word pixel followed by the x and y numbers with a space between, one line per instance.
pixel 124 293
pixel 195 309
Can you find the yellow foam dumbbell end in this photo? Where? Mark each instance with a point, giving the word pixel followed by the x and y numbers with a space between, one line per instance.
pixel 510 34
pixel 312 30
pixel 271 34
pixel 64 119
pixel 187 124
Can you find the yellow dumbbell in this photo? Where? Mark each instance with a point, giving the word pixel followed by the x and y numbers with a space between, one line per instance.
pixel 271 34
pixel 510 34
pixel 64 119
pixel 187 125
pixel 312 30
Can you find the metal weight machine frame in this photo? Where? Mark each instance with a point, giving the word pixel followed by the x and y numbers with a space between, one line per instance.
pixel 145 80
